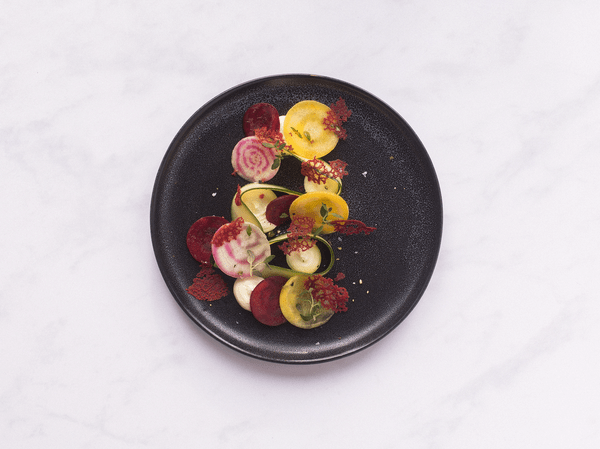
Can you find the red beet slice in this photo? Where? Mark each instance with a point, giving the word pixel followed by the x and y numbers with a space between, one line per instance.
pixel 278 210
pixel 264 301
pixel 259 115
pixel 199 236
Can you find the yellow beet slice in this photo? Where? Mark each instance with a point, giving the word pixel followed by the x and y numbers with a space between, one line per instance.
pixel 304 130
pixel 310 205
pixel 298 306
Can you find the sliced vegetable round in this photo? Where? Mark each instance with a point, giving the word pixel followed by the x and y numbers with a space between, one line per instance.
pixel 274 270
pixel 304 130
pixel 307 261
pixel 259 115
pixel 278 210
pixel 281 120
pixel 318 204
pixel 242 289
pixel 298 306
pixel 253 161
pixel 331 185
pixel 199 236
pixel 238 248
pixel 264 301
pixel 254 205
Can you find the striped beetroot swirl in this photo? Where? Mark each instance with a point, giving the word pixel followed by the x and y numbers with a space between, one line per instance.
pixel 253 161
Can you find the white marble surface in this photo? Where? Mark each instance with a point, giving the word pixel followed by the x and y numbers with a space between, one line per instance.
pixel 502 350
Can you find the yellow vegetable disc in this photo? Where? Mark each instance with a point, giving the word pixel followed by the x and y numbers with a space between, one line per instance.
pixel 304 130
pixel 310 205
pixel 298 306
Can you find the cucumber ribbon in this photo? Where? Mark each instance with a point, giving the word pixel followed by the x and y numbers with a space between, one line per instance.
pixel 270 270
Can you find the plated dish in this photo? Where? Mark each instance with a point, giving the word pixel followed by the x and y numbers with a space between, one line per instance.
pixel 391 185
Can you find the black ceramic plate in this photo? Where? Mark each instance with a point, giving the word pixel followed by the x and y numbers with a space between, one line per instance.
pixel 391 185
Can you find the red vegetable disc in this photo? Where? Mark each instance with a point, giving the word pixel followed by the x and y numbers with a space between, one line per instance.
pixel 259 115
pixel 200 235
pixel 264 301
pixel 278 210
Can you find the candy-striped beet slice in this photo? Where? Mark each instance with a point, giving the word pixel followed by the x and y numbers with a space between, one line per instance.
pixel 253 161
pixel 239 248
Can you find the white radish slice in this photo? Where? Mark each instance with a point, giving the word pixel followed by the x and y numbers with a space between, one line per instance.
pixel 253 161
pixel 281 120
pixel 244 250
pixel 254 206
pixel 305 261
pixel 242 289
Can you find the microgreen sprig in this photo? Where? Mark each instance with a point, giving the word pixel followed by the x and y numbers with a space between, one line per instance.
pixel 305 135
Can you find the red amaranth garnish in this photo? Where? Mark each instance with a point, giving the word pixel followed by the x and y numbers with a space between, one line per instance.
pixel 271 138
pixel 208 285
pixel 338 168
pixel 301 225
pixel 339 277
pixel 299 238
pixel 351 227
pixel 228 232
pixel 324 290
pixel 301 243
pixel 319 172
pixel 238 196
pixel 338 114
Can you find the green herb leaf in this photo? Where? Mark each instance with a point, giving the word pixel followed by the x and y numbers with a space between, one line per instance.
pixel 251 257
pixel 267 144
pixel 249 231
pixel 276 163
pixel 296 131
pixel 304 306
pixel 307 135
pixel 324 211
